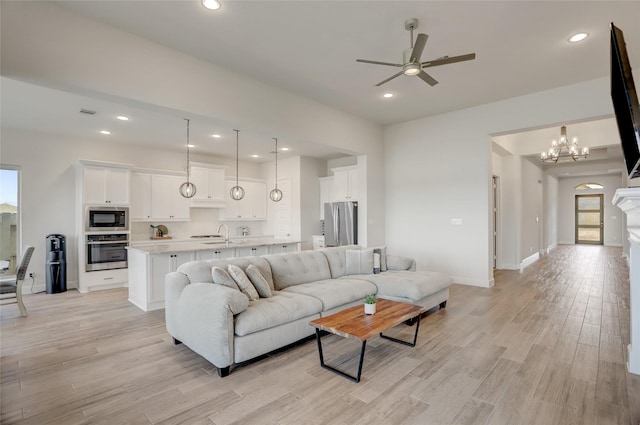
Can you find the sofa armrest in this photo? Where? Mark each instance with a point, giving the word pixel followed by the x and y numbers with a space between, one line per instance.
pixel 201 316
pixel 397 262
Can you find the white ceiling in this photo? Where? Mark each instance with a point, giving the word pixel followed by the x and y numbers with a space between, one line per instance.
pixel 310 47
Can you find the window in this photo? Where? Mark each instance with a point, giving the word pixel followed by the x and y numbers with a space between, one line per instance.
pixel 586 186
pixel 8 220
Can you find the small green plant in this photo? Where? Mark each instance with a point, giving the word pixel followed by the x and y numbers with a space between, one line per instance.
pixel 370 299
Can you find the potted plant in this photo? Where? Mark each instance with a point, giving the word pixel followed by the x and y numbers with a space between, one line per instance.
pixel 370 304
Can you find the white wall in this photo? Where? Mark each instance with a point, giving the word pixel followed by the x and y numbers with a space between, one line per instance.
pixel 551 200
pixel 531 229
pixel 438 168
pixel 311 169
pixel 613 220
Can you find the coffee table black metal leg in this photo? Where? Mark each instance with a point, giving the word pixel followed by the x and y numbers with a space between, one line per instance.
pixel 415 336
pixel 333 369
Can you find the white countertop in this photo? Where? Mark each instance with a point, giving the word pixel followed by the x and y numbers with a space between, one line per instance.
pixel 174 246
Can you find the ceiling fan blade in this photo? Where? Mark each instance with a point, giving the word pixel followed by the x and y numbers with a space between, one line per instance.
pixel 445 60
pixel 427 78
pixel 389 79
pixel 418 47
pixel 379 63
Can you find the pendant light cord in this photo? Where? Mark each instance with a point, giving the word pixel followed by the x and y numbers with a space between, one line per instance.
pixel 276 139
pixel 237 152
pixel 188 152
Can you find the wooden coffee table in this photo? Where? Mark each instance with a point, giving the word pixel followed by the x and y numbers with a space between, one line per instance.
pixel 353 323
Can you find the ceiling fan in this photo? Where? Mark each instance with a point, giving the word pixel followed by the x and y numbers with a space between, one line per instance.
pixel 411 64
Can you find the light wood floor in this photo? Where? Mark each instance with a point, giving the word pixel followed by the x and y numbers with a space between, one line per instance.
pixel 546 346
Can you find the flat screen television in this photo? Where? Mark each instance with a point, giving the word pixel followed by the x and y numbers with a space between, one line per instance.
pixel 625 102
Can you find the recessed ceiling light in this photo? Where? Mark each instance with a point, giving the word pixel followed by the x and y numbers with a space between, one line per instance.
pixel 122 117
pixel 284 149
pixel 255 156
pixel 191 146
pixel 387 95
pixel 105 132
pixel 578 37
pixel 212 4
pixel 216 136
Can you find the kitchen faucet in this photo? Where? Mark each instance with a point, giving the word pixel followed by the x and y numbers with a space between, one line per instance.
pixel 226 237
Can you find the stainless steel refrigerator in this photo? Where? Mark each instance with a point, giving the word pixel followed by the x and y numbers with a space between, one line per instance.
pixel 340 223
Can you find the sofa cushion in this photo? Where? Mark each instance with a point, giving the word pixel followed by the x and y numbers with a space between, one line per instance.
pixel 359 261
pixel 281 308
pixel 243 282
pixel 407 284
pixel 335 292
pixel 200 271
pixel 294 268
pixel 258 281
pixel 382 250
pixel 336 258
pixel 221 277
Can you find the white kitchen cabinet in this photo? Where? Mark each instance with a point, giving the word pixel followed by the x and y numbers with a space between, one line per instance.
pixel 147 274
pixel 166 201
pixel 258 193
pixel 215 254
pixel 252 207
pixel 345 184
pixel 282 248
pixel 105 185
pixel 210 187
pixel 255 251
pixel 326 184
pixel 140 197
pixel 156 197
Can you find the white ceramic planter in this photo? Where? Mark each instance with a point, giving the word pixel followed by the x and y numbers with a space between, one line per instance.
pixel 369 309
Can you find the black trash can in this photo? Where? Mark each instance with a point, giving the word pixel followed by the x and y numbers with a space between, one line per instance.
pixel 56 268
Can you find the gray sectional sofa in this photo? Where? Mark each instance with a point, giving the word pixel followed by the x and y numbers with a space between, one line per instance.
pixel 223 326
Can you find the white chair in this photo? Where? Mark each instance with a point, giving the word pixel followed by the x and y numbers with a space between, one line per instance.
pixel 12 289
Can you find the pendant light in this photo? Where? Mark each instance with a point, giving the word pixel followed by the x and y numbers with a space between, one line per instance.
pixel 276 194
pixel 188 189
pixel 237 192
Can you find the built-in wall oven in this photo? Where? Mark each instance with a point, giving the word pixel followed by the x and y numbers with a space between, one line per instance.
pixel 106 219
pixel 106 251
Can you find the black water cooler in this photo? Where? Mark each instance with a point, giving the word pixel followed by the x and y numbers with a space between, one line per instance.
pixel 56 269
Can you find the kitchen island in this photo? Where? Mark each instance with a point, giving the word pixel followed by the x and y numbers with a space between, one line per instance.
pixel 150 261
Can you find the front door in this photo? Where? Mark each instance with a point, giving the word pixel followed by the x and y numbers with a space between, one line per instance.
pixel 589 219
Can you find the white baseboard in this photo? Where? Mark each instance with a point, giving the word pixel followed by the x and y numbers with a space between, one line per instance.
pixel 566 243
pixel 509 266
pixel 529 260
pixel 473 282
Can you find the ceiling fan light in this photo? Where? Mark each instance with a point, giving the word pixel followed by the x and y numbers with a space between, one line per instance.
pixel 411 69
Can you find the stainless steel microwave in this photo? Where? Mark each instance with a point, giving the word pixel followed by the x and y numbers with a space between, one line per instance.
pixel 106 219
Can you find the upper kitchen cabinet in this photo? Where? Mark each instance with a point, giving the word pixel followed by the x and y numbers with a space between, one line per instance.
pixel 105 185
pixel 156 197
pixel 210 187
pixel 345 184
pixel 252 207
pixel 326 186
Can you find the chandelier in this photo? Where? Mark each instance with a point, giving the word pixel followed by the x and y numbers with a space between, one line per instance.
pixel 564 148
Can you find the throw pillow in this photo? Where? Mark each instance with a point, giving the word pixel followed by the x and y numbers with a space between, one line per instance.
pixel 243 282
pixel 221 277
pixel 259 282
pixel 383 257
pixel 359 261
